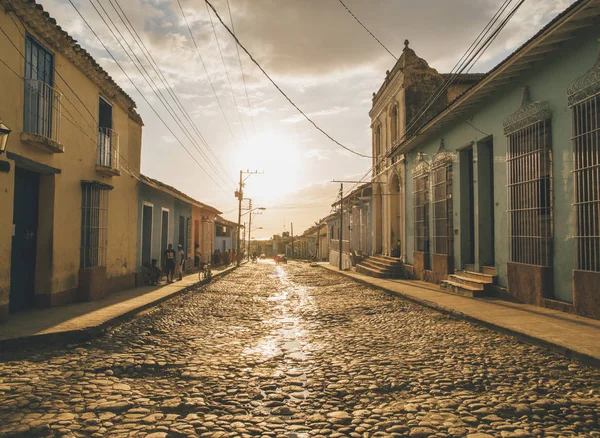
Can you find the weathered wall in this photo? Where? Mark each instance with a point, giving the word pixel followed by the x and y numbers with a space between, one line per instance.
pixel 160 201
pixel 58 259
pixel 547 81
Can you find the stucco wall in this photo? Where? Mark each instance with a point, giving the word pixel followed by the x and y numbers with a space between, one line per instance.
pixel 58 261
pixel 548 81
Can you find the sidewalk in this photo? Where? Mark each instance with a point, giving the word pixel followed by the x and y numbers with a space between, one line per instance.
pixel 80 321
pixel 572 335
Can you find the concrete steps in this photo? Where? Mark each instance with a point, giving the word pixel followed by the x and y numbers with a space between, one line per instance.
pixel 380 266
pixel 470 283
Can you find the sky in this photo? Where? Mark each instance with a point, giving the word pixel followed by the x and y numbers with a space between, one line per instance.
pixel 319 56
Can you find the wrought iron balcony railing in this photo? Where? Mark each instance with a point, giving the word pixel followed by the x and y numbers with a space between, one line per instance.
pixel 42 110
pixel 108 149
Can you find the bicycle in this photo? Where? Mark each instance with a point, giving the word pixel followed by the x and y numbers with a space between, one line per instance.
pixel 205 273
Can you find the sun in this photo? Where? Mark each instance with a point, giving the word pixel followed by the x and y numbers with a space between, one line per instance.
pixel 277 154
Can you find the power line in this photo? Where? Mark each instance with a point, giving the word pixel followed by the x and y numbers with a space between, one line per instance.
pixel 207 74
pixel 280 90
pixel 471 55
pixel 141 94
pixel 237 49
pixel 125 20
pixel 122 159
pixel 369 32
pixel 237 108
pixel 156 90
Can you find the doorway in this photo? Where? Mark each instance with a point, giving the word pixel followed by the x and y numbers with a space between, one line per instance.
pixel 467 207
pixel 24 241
pixel 164 231
pixel 147 213
pixel 485 202
pixel 395 233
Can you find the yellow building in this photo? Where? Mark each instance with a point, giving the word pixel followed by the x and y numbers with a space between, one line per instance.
pixel 68 200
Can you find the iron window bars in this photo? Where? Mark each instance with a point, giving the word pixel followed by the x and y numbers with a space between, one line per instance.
pixel 41 113
pixel 584 100
pixel 529 183
pixel 94 223
pixel 441 173
pixel 421 205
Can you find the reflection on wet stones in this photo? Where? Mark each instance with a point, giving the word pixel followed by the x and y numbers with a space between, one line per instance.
pixel 294 351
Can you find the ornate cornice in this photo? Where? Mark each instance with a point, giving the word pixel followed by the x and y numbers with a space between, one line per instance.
pixel 528 113
pixel 422 167
pixel 586 86
pixel 388 93
pixel 442 156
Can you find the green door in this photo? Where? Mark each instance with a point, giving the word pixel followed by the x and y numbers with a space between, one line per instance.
pixel 24 241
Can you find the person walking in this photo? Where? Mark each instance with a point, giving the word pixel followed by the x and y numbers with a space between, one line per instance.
pixel 180 261
pixel 169 256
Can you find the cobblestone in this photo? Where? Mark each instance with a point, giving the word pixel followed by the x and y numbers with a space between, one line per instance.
pixel 295 351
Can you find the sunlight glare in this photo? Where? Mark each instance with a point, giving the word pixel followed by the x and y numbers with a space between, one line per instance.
pixel 281 160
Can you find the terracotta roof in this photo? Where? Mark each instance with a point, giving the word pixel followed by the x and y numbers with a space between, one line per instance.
pixel 223 221
pixel 46 27
pixel 582 13
pixel 178 194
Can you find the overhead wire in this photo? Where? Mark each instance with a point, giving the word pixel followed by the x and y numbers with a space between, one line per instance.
pixel 368 31
pixel 142 95
pixel 212 86
pixel 469 58
pixel 237 107
pixel 158 71
pixel 279 88
pixel 156 90
pixel 124 164
pixel 237 49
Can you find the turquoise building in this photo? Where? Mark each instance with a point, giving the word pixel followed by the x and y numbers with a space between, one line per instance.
pixel 502 185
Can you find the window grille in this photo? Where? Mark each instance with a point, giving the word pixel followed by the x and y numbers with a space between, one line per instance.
pixel 441 175
pixel 94 224
pixel 529 167
pixel 584 100
pixel 421 206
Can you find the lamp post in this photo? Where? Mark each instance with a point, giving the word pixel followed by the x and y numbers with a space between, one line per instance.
pixel 4 133
pixel 250 226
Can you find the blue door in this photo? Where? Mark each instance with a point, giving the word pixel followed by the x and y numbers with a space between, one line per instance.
pixel 24 241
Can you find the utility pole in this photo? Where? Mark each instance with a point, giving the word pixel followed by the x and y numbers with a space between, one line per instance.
pixel 292 230
pixel 249 228
pixel 239 194
pixel 244 234
pixel 341 221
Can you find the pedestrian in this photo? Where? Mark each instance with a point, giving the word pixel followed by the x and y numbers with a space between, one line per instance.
pixel 180 261
pixel 169 256
pixel 197 256
pixel 226 258
pixel 220 257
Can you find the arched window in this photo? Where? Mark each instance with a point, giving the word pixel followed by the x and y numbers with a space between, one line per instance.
pixel 394 123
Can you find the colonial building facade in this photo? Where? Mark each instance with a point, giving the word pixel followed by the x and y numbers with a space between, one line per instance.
pixel 502 185
pixel 406 89
pixel 68 195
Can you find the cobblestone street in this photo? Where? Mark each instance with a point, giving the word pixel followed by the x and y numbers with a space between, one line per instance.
pixel 296 351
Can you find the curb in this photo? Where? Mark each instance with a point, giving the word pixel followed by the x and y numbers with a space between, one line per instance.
pixel 88 333
pixel 565 351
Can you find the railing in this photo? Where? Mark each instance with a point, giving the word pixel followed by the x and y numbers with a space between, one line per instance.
pixel 42 109
pixel 108 148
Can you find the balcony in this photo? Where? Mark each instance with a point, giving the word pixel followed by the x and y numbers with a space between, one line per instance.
pixel 108 152
pixel 41 119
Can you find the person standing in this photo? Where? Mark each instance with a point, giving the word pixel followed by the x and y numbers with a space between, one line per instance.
pixel 170 262
pixel 180 261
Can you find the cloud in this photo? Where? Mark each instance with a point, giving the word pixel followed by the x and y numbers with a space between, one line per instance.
pixel 326 112
pixel 319 154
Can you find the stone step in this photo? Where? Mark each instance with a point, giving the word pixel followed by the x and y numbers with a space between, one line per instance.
pixel 486 278
pixel 372 272
pixel 381 263
pixel 469 281
pixel 489 270
pixel 461 289
pixel 387 258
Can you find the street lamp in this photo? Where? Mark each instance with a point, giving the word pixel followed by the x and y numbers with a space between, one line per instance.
pixel 4 133
pixel 250 226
